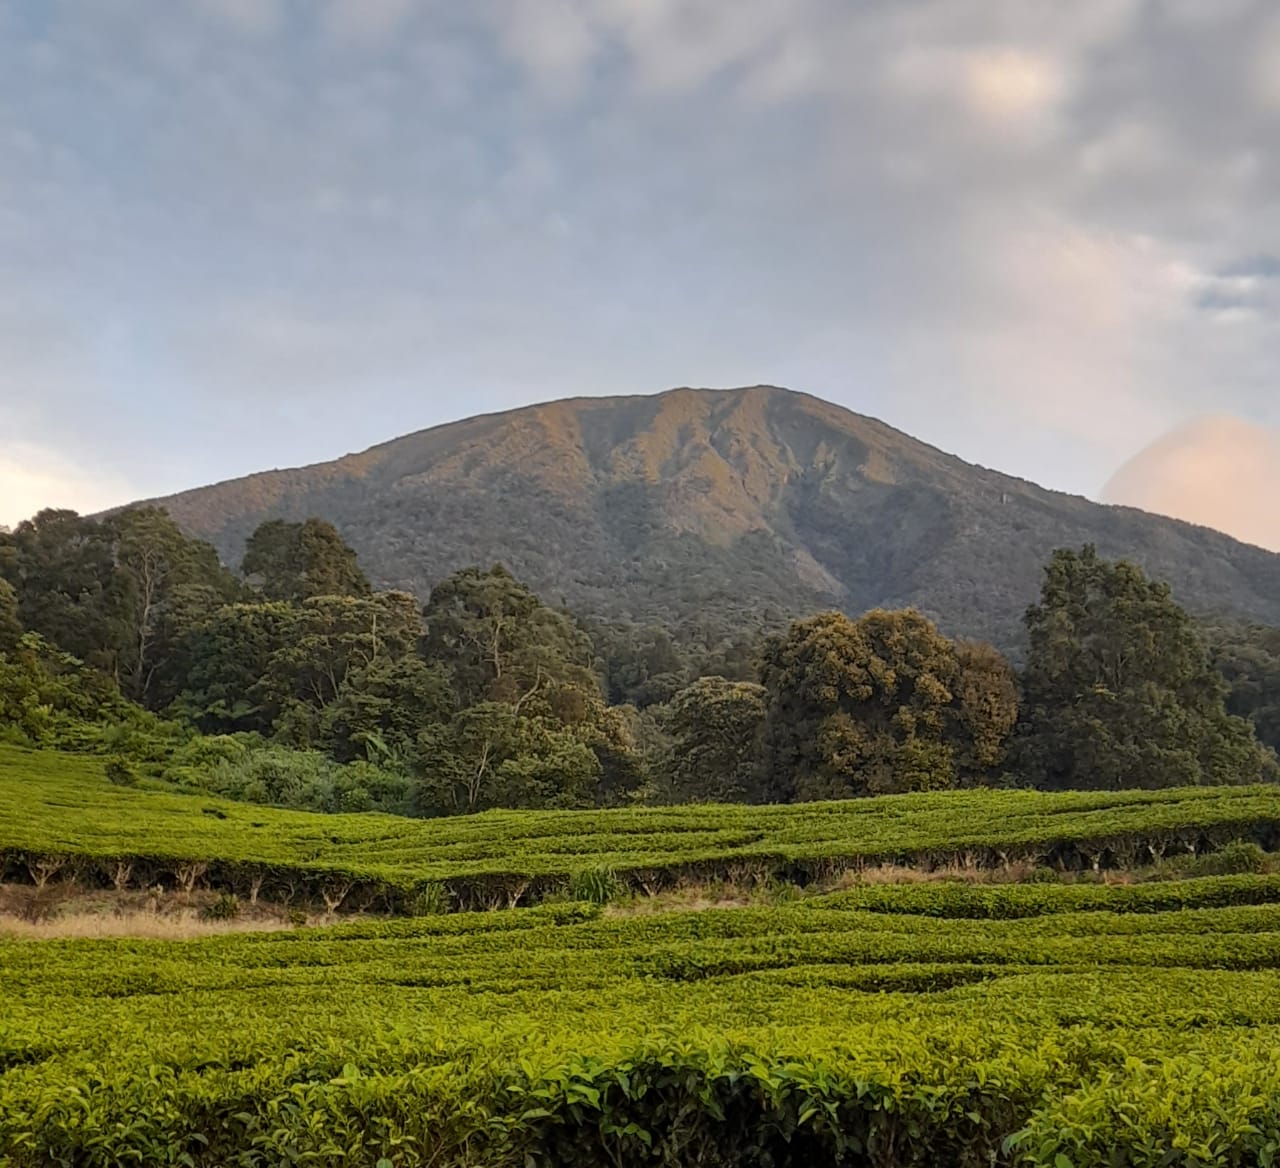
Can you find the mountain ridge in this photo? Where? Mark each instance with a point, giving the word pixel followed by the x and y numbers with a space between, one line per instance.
pixel 718 504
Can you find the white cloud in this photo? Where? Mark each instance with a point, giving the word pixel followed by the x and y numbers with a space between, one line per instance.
pixel 33 478
pixel 1218 471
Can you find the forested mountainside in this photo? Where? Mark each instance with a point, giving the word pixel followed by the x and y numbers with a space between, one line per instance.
pixel 747 504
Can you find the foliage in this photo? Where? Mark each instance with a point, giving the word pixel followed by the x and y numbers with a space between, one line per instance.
pixel 715 727
pixel 116 593
pixel 58 805
pixel 225 908
pixel 48 698
pixel 882 704
pixel 502 644
pixel 120 772
pixel 798 1035
pixel 1119 690
pixel 302 779
pixel 1248 657
pixel 299 561
pixel 10 626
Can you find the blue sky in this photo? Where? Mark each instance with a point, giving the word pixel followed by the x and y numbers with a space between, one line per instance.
pixel 240 234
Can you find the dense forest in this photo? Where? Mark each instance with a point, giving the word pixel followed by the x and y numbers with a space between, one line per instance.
pixel 294 682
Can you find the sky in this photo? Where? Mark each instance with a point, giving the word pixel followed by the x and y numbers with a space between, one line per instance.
pixel 245 234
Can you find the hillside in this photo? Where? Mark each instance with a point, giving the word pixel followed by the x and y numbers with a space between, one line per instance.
pixel 58 814
pixel 716 504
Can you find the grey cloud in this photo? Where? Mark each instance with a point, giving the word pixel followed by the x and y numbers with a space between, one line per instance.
pixel 996 222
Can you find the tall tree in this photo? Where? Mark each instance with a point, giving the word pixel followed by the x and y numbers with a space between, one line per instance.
pixel 335 639
pixel 10 626
pixel 1119 690
pixel 62 566
pixel 877 705
pixel 500 642
pixel 223 662
pixel 1248 657
pixel 164 584
pixel 296 561
pixel 115 593
pixel 715 728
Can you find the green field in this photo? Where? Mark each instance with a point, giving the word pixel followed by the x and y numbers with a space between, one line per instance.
pixel 804 1035
pixel 1069 1025
pixel 61 806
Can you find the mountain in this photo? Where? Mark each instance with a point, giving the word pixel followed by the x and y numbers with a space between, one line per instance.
pixel 724 505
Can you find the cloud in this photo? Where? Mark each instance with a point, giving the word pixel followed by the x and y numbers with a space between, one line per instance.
pixel 33 478
pixel 367 23
pixel 1217 471
pixel 1032 232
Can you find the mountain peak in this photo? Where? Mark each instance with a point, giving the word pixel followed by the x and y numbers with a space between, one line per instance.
pixel 716 504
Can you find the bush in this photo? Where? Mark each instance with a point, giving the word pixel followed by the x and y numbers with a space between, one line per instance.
pixel 225 908
pixel 119 772
pixel 1238 858
pixel 431 900
pixel 594 885
pixel 244 768
pixel 1042 875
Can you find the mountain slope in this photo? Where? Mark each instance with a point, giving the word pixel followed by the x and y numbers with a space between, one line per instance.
pixel 716 504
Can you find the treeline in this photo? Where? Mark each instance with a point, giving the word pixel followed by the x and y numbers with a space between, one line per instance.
pixel 294 682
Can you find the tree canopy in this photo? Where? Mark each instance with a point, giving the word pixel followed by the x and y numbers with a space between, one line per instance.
pixel 1119 689
pixel 880 704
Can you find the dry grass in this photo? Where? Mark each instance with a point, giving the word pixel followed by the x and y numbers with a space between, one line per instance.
pixel 1014 873
pixel 68 911
pixel 691 898
pixel 170 927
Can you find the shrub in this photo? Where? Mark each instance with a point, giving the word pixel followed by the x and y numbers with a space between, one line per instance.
pixel 119 772
pixel 1042 875
pixel 594 885
pixel 225 908
pixel 1238 858
pixel 431 900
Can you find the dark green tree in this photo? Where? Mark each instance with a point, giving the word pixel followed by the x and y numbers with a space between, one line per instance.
pixel 381 707
pixel 296 561
pixel 1248 657
pixel 223 662
pixel 164 584
pixel 62 567
pixel 715 727
pixel 10 626
pixel 115 593
pixel 882 704
pixel 335 641
pixel 501 643
pixel 1119 690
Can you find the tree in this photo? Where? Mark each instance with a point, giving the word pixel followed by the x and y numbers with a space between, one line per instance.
pixel 297 561
pixel 164 584
pixel 715 728
pixel 1248 657
pixel 882 704
pixel 61 566
pixel 491 756
pixel 10 626
pixel 223 661
pixel 334 640
pixel 500 643
pixel 1119 690
pixel 115 593
pixel 380 709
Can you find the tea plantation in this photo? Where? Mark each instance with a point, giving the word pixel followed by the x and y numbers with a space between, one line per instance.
pixel 1070 1025
pixel 58 814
